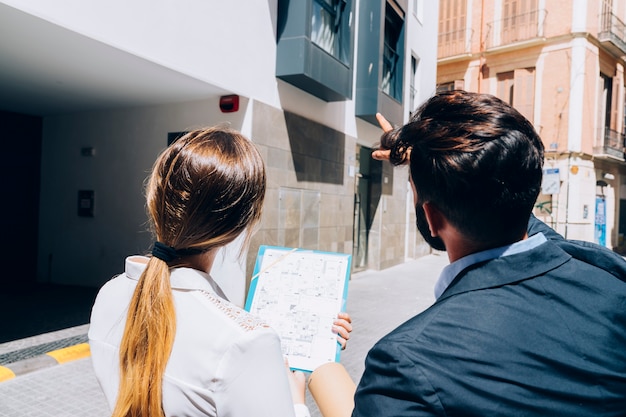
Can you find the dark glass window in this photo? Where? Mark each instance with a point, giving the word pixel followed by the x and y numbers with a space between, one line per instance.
pixel 330 28
pixel 392 72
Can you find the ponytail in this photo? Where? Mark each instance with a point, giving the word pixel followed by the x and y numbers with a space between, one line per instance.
pixel 146 344
pixel 205 190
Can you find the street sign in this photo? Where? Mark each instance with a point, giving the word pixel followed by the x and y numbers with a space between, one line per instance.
pixel 551 183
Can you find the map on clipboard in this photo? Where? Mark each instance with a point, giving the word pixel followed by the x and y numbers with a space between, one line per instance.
pixel 299 292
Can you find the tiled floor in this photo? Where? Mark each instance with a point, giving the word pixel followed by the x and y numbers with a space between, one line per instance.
pixel 67 390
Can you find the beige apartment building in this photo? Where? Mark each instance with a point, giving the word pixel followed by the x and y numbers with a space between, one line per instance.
pixel 561 64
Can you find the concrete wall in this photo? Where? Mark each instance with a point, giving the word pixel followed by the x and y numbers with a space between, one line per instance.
pixel 310 190
pixel 89 250
pixel 422 26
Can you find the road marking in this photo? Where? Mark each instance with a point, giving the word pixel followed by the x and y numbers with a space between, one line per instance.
pixel 6 374
pixel 71 353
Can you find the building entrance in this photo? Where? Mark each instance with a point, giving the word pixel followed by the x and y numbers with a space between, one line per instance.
pixel 365 200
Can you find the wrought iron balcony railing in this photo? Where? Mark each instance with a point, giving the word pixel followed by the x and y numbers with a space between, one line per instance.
pixel 516 28
pixel 454 43
pixel 612 145
pixel 612 33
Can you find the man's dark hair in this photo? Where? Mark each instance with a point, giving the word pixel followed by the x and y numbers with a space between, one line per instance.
pixel 476 159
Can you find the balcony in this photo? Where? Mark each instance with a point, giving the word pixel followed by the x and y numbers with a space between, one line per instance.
pixel 612 146
pixel 515 29
pixel 612 34
pixel 454 43
pixel 319 63
pixel 380 62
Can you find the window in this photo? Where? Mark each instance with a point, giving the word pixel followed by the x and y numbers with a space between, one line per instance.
pixel 380 66
pixel 452 27
pixel 414 77
pixel 520 20
pixel 418 9
pixel 329 27
pixel 314 47
pixel 607 95
pixel 604 106
pixel 607 16
pixel 452 85
pixel 392 64
pixel 517 88
pixel 445 87
pixel 610 137
pixel 623 129
pixel 505 87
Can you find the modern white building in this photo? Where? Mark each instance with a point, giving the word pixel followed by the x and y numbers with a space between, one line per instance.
pixel 92 91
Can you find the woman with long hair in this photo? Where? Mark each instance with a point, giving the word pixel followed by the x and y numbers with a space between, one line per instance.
pixel 164 339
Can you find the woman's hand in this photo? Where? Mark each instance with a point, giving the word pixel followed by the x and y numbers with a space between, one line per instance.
pixel 343 327
pixel 297 384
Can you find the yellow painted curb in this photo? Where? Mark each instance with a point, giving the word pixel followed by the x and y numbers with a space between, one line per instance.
pixel 71 353
pixel 6 374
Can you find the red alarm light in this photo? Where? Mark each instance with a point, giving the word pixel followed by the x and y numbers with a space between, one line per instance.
pixel 229 104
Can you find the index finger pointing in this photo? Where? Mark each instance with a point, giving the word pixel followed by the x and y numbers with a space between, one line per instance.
pixel 384 123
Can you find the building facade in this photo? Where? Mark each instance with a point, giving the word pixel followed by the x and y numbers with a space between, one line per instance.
pixel 117 81
pixel 561 64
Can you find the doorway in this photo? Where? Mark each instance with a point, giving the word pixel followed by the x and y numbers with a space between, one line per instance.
pixel 367 192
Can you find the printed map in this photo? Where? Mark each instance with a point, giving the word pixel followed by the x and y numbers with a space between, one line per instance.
pixel 299 293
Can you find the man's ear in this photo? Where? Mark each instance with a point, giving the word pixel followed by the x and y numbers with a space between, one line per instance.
pixel 434 217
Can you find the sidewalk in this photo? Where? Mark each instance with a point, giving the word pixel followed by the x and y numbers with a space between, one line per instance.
pixel 51 374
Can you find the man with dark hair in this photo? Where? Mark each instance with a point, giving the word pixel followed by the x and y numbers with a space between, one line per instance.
pixel 525 323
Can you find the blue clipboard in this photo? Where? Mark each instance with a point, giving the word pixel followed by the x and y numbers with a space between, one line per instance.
pixel 299 292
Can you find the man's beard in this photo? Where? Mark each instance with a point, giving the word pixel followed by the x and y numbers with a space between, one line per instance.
pixel 422 225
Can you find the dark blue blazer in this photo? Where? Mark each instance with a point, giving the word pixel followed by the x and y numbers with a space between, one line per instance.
pixel 541 333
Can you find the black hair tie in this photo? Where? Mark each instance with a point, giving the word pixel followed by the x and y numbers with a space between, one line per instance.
pixel 168 253
pixel 164 252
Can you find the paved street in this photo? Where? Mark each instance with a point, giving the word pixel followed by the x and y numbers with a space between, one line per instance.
pixel 378 301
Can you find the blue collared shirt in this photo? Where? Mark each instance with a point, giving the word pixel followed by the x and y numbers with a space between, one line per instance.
pixel 451 271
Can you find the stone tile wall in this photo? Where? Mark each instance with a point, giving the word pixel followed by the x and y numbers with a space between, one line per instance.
pixel 310 196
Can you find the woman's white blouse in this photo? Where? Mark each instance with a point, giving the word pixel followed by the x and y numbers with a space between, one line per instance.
pixel 224 362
